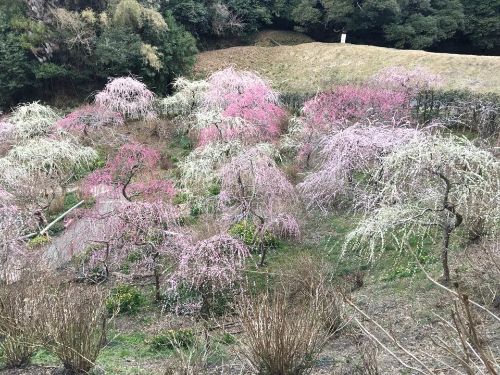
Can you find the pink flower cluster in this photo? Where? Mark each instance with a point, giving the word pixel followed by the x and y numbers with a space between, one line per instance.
pixel 153 190
pixel 350 103
pixel 254 106
pixel 342 154
pixel 141 227
pixel 228 129
pixel 253 187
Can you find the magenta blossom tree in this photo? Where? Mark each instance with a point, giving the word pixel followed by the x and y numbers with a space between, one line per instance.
pixel 127 96
pixel 131 160
pixel 211 265
pixel 239 105
pixel 253 188
pixel 347 104
pixel 355 150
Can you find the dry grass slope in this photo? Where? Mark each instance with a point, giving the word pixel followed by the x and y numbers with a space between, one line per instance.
pixel 316 66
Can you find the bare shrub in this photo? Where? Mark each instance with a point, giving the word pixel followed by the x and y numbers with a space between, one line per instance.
pixel 369 361
pixel 300 285
pixel 281 338
pixel 17 305
pixel 188 361
pixel 464 339
pixel 481 278
pixel 72 320
pixel 461 346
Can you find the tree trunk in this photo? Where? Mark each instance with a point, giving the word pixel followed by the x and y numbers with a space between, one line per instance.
pixel 444 253
pixel 157 284
pixel 263 253
pixel 206 298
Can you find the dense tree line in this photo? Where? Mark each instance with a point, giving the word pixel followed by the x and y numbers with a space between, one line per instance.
pixel 59 44
pixel 466 26
pixel 54 46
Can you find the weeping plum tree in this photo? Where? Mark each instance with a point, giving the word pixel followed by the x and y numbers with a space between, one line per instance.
pixel 127 96
pixel 230 81
pixel 230 105
pixel 187 100
pixel 253 188
pixel 246 96
pixel 355 150
pixel 91 122
pixel 408 81
pixel 148 231
pixel 38 171
pixel 211 265
pixel 429 183
pixel 33 120
pixel 335 110
pixel 200 169
pixel 120 170
pixel 331 109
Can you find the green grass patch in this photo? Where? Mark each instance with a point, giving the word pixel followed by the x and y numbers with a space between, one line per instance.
pixel 128 354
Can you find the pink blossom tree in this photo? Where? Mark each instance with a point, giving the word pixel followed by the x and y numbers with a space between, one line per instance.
pixel 131 160
pixel 332 109
pixel 149 230
pixel 253 188
pixel 335 110
pixel 408 81
pixel 238 105
pixel 355 150
pixel 127 96
pixel 229 81
pixel 91 121
pixel 258 105
pixel 211 265
pixel 224 130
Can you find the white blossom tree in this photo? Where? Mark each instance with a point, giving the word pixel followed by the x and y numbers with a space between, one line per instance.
pixel 32 120
pixel 127 96
pixel 38 170
pixel 434 182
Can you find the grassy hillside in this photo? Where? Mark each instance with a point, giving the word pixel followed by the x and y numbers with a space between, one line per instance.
pixel 313 66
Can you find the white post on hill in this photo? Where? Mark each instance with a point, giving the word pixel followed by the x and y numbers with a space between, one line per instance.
pixel 343 38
